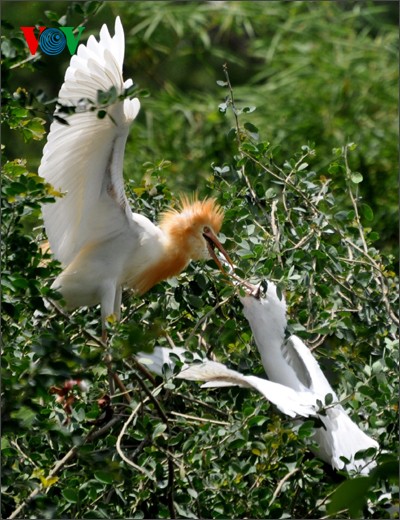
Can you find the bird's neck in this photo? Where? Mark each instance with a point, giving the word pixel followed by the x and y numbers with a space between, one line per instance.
pixel 171 262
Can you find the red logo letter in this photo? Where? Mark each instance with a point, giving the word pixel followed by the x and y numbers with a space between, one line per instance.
pixel 31 39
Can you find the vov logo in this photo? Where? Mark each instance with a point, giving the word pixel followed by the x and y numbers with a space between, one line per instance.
pixel 52 41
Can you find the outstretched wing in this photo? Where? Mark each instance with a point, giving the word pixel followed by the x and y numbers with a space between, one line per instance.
pixel 84 159
pixel 287 400
pixel 215 374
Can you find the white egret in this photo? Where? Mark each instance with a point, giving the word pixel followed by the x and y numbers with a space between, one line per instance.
pixel 92 231
pixel 291 363
pixel 296 381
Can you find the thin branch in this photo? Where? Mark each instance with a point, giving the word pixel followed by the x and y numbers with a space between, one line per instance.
pixel 275 230
pixel 281 483
pixel 353 201
pixel 24 455
pixel 153 399
pixel 205 405
pixel 200 419
pixel 282 179
pixel 239 143
pixel 122 433
pixel 300 243
pixel 203 318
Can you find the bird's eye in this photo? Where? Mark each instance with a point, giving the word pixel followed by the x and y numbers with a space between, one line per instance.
pixel 206 229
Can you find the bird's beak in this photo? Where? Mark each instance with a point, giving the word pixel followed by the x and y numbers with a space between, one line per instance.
pixel 212 241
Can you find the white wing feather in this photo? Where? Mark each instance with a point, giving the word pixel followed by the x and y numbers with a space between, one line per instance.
pixel 216 374
pixel 84 159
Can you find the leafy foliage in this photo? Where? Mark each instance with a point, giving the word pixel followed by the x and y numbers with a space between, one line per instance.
pixel 300 214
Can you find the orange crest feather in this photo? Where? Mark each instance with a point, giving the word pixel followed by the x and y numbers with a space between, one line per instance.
pixel 192 212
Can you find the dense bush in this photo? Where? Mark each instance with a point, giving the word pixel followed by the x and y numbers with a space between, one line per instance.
pixel 295 152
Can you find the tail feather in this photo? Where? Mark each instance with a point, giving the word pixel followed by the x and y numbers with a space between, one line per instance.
pixel 341 437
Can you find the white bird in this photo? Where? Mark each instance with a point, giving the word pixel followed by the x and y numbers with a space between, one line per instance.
pixel 101 244
pixel 291 363
pixel 296 381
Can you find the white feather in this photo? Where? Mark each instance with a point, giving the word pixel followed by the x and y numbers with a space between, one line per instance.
pixel 216 374
pixel 83 159
pixel 291 363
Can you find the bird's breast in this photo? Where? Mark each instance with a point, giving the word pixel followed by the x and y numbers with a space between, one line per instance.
pixel 158 268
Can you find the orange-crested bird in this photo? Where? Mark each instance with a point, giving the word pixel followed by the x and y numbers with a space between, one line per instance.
pixel 92 231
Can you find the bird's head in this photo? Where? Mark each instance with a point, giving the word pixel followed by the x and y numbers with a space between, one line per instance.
pixel 194 228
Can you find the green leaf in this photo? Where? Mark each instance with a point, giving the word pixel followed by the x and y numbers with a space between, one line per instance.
pixel 350 495
pixel 104 476
pixel 302 166
pixel 71 495
pixel 51 15
pixel 158 430
pixel 26 415
pixel 270 193
pixel 367 212
pixel 253 130
pixel 306 429
pixel 356 177
pixel 258 420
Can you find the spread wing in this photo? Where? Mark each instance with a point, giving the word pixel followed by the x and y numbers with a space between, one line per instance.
pixel 215 374
pixel 84 159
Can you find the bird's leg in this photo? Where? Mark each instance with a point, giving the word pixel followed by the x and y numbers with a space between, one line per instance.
pixel 112 295
pixel 117 303
pixel 108 360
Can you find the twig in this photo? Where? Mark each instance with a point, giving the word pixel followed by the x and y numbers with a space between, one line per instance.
pixel 101 344
pixel 88 334
pixel 203 318
pixel 381 280
pixel 276 232
pixel 116 379
pixel 142 369
pixel 234 110
pixel 282 179
pixel 300 243
pixel 25 456
pixel 205 405
pixel 317 342
pixel 34 57
pixel 281 483
pixel 353 201
pixel 200 419
pixel 170 487
pixel 122 433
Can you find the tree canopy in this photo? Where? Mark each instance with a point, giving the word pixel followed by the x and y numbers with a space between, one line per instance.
pixel 286 113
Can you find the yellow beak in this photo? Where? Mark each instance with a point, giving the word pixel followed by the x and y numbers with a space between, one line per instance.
pixel 212 241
